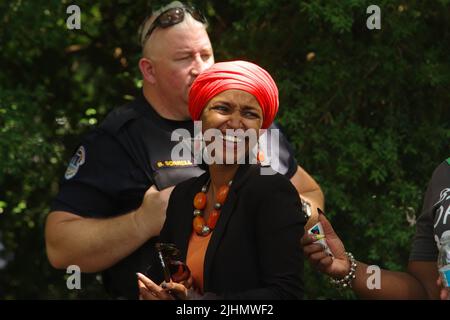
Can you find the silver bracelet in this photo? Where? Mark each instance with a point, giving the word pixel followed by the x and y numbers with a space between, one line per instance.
pixel 346 281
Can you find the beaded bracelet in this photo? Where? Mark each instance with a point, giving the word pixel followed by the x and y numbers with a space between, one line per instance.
pixel 346 281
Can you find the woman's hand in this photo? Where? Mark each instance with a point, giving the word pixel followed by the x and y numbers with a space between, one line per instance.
pixel 148 290
pixel 337 266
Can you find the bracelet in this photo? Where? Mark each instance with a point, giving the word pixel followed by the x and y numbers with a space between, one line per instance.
pixel 306 209
pixel 346 281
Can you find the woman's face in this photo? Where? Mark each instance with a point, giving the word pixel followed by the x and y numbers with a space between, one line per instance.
pixel 237 118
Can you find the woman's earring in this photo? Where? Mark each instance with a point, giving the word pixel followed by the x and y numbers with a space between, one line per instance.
pixel 259 155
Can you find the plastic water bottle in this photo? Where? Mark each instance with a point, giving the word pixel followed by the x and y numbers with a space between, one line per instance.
pixel 443 262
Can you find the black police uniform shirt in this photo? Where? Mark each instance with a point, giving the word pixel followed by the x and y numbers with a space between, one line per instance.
pixel 434 221
pixel 117 162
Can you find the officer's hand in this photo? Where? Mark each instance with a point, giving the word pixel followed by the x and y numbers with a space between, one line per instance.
pixel 152 212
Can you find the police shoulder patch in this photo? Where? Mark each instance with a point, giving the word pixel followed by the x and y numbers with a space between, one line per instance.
pixel 77 160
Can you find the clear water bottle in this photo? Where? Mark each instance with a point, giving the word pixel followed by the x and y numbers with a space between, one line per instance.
pixel 443 262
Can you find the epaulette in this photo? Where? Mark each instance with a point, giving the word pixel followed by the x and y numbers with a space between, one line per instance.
pixel 118 118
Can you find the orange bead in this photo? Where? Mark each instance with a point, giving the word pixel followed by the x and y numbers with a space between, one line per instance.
pixel 260 156
pixel 222 194
pixel 212 219
pixel 198 224
pixel 200 201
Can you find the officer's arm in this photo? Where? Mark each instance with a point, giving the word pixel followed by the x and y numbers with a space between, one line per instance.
pixel 309 190
pixel 95 244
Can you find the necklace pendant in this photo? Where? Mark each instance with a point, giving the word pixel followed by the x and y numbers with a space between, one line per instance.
pixel 199 225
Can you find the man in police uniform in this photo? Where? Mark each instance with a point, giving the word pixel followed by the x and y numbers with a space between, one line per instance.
pixel 113 196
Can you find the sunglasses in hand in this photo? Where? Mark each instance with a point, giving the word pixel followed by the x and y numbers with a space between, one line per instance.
pixel 173 268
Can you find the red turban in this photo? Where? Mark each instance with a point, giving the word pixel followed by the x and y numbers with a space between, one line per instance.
pixel 240 75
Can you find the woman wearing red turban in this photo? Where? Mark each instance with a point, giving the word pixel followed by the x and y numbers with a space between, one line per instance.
pixel 237 229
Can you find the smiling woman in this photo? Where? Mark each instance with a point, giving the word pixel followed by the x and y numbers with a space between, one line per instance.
pixel 235 116
pixel 238 242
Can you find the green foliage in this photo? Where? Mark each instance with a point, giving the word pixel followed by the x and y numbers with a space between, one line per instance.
pixel 367 112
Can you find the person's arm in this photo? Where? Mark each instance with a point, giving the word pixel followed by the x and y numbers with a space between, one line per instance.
pixel 394 285
pixel 418 283
pixel 309 190
pixel 95 244
pixel 306 186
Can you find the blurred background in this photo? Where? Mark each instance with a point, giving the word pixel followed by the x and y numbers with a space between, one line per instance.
pixel 367 112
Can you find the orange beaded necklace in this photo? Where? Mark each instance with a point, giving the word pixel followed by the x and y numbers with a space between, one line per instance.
pixel 201 227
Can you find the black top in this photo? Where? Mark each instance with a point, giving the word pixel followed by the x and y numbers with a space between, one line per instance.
pixel 117 162
pixel 254 250
pixel 434 222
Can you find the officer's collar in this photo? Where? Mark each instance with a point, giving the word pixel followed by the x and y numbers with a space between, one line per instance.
pixel 146 108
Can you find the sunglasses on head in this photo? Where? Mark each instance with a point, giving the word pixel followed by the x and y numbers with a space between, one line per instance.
pixel 172 17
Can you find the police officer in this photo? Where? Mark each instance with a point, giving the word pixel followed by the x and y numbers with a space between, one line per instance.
pixel 113 197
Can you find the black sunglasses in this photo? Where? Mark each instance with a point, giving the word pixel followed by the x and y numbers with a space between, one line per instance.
pixel 172 266
pixel 172 17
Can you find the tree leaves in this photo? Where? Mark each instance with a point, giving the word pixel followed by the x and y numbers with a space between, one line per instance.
pixel 367 112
